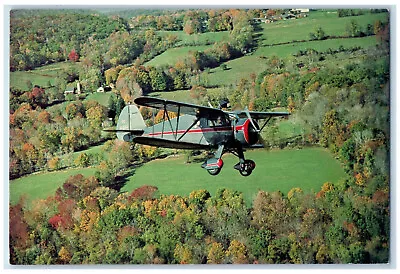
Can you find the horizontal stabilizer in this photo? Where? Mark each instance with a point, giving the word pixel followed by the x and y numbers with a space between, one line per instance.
pixel 261 115
pixel 133 131
pixel 257 146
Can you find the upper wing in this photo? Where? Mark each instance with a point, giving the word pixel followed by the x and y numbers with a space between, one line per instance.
pixel 262 115
pixel 179 107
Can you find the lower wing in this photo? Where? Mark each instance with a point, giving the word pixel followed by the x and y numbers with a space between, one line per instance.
pixel 151 141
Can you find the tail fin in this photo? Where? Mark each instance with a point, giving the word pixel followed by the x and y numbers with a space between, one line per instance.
pixel 130 123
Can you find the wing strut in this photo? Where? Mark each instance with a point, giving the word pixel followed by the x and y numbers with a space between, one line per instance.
pixel 265 123
pixel 189 128
pixel 163 123
pixel 177 121
pixel 169 120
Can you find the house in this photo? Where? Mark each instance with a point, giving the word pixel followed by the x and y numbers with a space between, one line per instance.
pixel 289 16
pixel 297 11
pixel 69 90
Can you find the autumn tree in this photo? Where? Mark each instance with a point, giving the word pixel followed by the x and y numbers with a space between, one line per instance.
pixel 237 252
pixel 73 56
pixel 38 97
pixel 216 253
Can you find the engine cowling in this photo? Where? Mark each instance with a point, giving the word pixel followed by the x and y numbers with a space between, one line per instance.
pixel 246 133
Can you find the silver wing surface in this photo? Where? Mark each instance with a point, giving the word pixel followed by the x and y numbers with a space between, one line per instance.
pixel 180 107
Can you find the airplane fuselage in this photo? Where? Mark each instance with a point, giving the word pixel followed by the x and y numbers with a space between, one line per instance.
pixel 204 133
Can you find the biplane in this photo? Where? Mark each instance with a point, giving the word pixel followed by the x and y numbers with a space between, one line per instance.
pixel 196 127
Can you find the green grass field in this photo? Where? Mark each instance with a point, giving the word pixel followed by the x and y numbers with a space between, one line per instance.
pixel 171 56
pixel 101 97
pixel 276 170
pixel 42 185
pixel 40 76
pixel 242 67
pixel 290 49
pixel 176 95
pixel 199 38
pixel 300 29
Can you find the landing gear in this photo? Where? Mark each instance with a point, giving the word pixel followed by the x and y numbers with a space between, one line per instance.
pixel 214 171
pixel 246 167
pixel 215 164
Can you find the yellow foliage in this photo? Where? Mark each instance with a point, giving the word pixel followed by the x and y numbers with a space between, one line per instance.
pixel 327 187
pixel 147 151
pixel 322 255
pixel 183 254
pixel 64 255
pixel 53 163
pixel 216 254
pixel 88 220
pixel 238 252
pixel 360 179
pixel 150 207
pixel 293 191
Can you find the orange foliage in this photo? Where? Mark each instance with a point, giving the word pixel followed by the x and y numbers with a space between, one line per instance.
pixel 88 220
pixel 360 179
pixel 380 197
pixel 43 117
pixel 125 232
pixel 238 252
pixel 53 163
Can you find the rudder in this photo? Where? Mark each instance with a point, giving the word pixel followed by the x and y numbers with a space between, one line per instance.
pixel 129 121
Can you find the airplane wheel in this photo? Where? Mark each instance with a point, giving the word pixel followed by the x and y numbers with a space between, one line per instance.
pixel 245 172
pixel 247 167
pixel 214 171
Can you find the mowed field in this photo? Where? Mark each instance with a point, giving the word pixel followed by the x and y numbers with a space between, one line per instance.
pixel 279 39
pixel 276 170
pixel 300 29
pixel 173 55
pixel 199 38
pixel 41 76
pixel 42 185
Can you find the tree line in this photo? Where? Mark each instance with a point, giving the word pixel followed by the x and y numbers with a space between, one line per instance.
pixel 85 223
pixel 46 138
pixel 40 37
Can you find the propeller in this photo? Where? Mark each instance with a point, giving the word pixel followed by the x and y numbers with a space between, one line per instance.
pixel 246 110
pixel 233 118
pixel 261 140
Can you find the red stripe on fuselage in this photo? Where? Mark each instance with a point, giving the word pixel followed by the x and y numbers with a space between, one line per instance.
pixel 197 130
